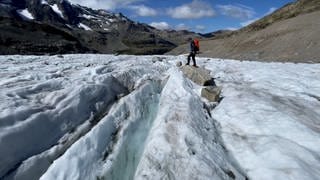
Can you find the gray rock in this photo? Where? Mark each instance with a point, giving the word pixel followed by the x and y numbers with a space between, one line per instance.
pixel 154 59
pixel 198 75
pixel 179 64
pixel 212 93
pixel 157 59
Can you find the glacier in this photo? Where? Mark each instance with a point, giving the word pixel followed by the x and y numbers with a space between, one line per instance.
pixel 89 116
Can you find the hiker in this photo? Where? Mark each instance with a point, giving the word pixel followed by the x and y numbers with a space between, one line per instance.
pixel 194 48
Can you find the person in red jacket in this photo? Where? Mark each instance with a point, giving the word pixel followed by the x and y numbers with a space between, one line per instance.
pixel 194 48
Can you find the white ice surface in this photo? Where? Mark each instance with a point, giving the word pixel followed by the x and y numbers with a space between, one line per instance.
pixel 270 117
pixel 70 118
pixel 24 13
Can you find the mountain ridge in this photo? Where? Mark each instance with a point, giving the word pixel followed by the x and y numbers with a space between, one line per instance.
pixel 96 30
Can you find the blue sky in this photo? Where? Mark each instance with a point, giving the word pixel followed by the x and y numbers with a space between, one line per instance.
pixel 195 15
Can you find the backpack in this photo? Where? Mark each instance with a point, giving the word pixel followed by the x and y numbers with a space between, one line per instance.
pixel 196 44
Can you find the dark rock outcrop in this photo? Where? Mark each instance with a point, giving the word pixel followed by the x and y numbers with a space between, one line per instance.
pixel 34 38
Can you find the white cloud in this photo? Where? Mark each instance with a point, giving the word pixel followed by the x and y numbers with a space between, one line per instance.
pixel 246 23
pixel 237 11
pixel 142 10
pixel 105 4
pixel 194 10
pixel 160 25
pixel 271 10
pixel 250 21
pixel 231 28
pixel 200 28
pixel 182 27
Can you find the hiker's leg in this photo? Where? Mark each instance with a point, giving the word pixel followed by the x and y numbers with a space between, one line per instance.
pixel 194 59
pixel 188 59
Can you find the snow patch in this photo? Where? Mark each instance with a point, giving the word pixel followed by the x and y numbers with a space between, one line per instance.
pixel 85 27
pixel 25 14
pixel 88 16
pixel 111 20
pixel 44 2
pixel 69 26
pixel 56 9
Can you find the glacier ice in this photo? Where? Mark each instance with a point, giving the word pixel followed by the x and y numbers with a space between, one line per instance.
pixel 129 117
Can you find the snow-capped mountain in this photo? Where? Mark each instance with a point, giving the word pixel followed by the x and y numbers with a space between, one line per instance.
pixel 139 117
pixel 91 30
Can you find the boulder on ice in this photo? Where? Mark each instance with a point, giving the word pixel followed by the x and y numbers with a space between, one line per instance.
pixel 202 77
pixel 212 93
pixel 199 75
